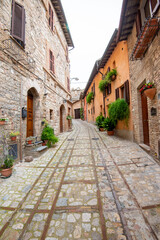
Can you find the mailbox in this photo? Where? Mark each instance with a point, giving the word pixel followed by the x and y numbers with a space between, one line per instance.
pixel 24 112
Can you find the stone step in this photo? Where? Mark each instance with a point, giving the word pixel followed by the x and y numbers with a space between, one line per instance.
pixel 145 147
pixel 41 148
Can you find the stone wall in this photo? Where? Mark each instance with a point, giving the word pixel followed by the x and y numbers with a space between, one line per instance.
pixel 143 71
pixel 49 90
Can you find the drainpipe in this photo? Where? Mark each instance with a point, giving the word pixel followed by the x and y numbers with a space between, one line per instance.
pixel 20 152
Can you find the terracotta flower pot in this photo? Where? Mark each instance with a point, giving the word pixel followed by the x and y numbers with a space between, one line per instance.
pixel 13 138
pixel 150 93
pixel 110 133
pixel 2 122
pixel 101 129
pixel 29 141
pixel 6 172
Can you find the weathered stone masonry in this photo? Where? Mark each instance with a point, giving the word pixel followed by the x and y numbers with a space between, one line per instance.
pixel 17 79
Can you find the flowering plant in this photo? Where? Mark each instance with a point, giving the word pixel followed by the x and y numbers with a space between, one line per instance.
pixel 12 134
pixel 147 86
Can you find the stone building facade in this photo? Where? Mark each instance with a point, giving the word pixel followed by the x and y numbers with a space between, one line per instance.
pixel 77 101
pixel 142 35
pixel 34 66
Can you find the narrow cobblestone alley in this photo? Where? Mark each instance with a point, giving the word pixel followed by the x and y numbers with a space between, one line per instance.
pixel 89 186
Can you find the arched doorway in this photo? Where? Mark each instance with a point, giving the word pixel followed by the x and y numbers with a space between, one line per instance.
pixel 32 109
pixel 62 118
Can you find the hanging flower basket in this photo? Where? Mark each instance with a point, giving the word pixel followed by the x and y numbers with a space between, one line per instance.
pixel 150 93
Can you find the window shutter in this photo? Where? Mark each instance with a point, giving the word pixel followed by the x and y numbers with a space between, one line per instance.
pixel 18 21
pixel 51 57
pixel 68 84
pixel 51 19
pixel 126 89
pixel 154 5
pixel 138 22
pixel 117 93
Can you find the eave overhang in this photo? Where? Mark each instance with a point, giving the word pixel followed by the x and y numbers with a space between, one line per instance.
pixel 63 22
pixel 145 38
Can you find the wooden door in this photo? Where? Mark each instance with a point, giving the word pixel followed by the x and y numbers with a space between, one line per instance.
pixel 77 113
pixel 61 119
pixel 145 119
pixel 29 115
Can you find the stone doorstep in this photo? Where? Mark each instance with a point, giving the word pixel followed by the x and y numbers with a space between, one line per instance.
pixel 41 148
pixel 145 147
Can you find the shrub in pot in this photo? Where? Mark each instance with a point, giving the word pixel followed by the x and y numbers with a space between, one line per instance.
pixel 6 168
pixel 109 124
pixel 48 134
pixel 99 122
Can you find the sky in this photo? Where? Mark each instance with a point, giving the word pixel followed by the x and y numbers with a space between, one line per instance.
pixel 91 24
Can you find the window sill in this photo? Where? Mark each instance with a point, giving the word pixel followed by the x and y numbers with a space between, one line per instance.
pixel 17 43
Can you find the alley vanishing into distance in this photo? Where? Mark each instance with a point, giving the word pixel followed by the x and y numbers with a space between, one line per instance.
pixel 89 186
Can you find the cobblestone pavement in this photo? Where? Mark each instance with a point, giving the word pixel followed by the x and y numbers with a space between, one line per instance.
pixel 89 186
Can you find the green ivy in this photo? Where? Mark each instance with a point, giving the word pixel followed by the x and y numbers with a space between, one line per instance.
pixel 119 110
pixel 90 97
pixel 99 121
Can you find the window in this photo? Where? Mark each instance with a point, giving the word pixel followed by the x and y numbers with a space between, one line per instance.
pixel 68 85
pixel 67 58
pixel 108 89
pixel 138 23
pixel 18 23
pixel 125 92
pixel 114 64
pixel 117 93
pixel 51 58
pixel 50 17
pixel 51 114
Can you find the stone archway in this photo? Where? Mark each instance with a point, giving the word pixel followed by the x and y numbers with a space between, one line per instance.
pixel 62 118
pixel 33 111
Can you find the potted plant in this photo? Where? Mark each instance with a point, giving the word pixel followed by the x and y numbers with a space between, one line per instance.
pixel 90 96
pixel 69 117
pixel 3 121
pixel 149 90
pixel 109 125
pixel 44 122
pixel 99 122
pixel 30 140
pixel 112 74
pixel 48 135
pixel 14 135
pixel 7 166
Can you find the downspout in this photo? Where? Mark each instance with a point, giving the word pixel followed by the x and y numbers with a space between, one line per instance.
pixel 20 152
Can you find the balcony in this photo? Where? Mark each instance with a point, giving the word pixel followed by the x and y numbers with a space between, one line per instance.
pixel 145 38
pixel 10 47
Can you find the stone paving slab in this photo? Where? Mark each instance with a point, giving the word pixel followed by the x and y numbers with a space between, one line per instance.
pixel 80 173
pixel 75 226
pixel 78 194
